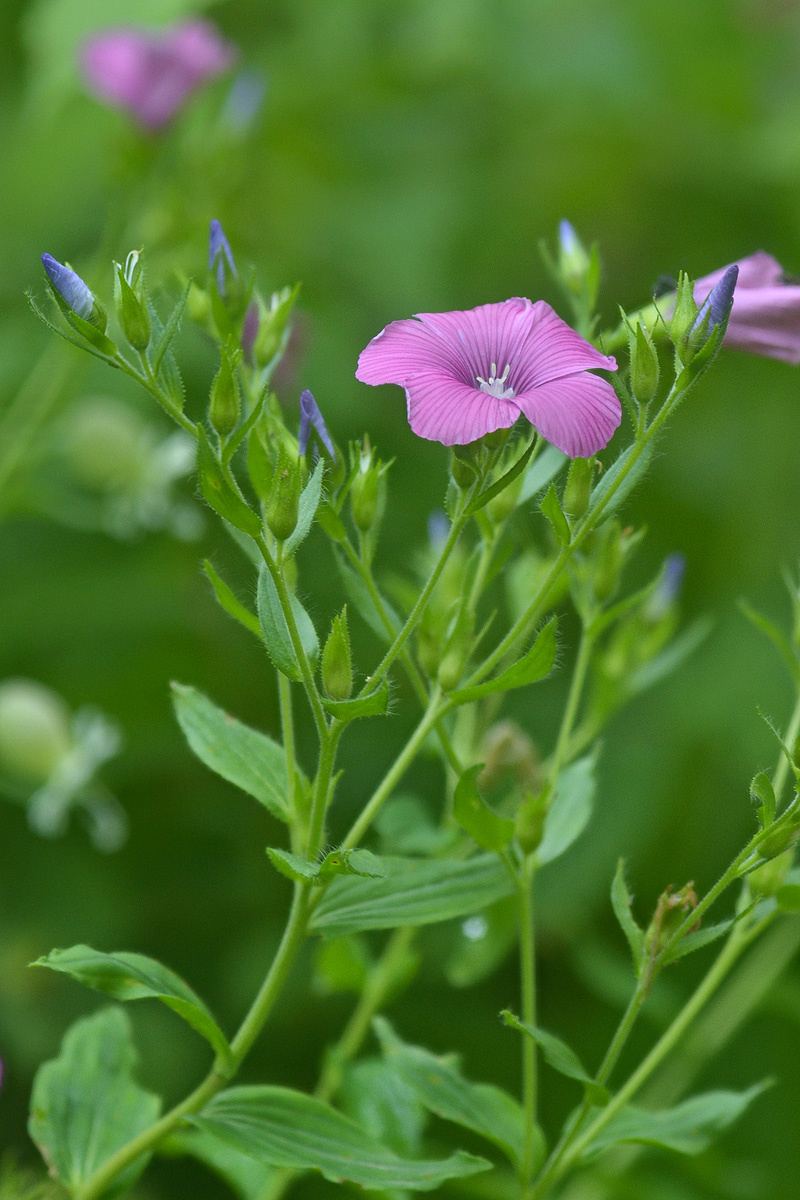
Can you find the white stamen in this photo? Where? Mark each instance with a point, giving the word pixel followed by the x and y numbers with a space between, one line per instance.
pixel 494 384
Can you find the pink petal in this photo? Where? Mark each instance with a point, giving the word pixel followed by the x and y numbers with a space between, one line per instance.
pixel 766 321
pixel 115 65
pixel 200 49
pixel 756 271
pixel 443 410
pixel 577 413
pixel 402 349
pixel 553 349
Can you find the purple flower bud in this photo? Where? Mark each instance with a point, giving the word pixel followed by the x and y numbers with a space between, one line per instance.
pixel 438 529
pixel 310 415
pixel 70 287
pixel 219 252
pixel 717 305
pixel 568 238
pixel 668 587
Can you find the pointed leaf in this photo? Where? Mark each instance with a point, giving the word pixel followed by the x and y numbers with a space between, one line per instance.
pixel 490 831
pixel 688 1128
pixel 218 492
pixel 534 665
pixel 127 976
pixel 551 508
pixel 377 1098
pixel 293 866
pixel 162 345
pixel 560 1057
pixel 374 704
pixel 275 631
pixel 443 1089
pixel 542 472
pixel 307 508
pixel 570 810
pixel 776 636
pixel 621 903
pixel 414 892
pixel 233 607
pixel 96 1064
pixel 284 1128
pixel 246 758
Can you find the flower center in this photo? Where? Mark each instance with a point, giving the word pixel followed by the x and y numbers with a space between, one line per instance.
pixel 494 384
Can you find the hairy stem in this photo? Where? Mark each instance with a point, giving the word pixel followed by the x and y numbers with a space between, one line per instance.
pixel 527 956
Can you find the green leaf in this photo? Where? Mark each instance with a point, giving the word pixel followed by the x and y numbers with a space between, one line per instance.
pixel 127 976
pixel 533 666
pixel 482 944
pixel 763 793
pixel 414 892
pixel 233 607
pixel 503 482
pixel 378 1099
pixel 68 337
pixel 218 492
pixel 776 636
pixel 242 1173
pixel 443 1089
pixel 374 704
pixel 551 508
pixel 162 345
pixel 621 903
pixel 570 810
pixel 284 1128
pixel 307 508
pixel 621 470
pixel 702 937
pixel 96 1064
pixel 490 831
pixel 337 862
pixel 293 866
pixel 275 631
pixel 689 1127
pixel 560 1057
pixel 542 472
pixel 249 759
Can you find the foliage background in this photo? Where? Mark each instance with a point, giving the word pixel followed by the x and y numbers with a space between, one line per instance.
pixel 409 156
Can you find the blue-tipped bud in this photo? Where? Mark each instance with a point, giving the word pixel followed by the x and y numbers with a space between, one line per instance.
pixel 220 254
pixel 310 415
pixel 717 305
pixel 668 588
pixel 573 260
pixel 74 292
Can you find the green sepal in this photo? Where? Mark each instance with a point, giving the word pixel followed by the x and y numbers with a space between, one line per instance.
pixel 762 793
pixel 167 334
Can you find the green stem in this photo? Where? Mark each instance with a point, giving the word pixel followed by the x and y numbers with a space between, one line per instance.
pixel 527 956
pixel 287 731
pixel 573 701
pixel 322 787
pixel 217 1078
pixel 782 769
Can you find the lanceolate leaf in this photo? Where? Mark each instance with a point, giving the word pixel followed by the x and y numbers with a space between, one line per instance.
pixel 242 1173
pixel 504 481
pixel 533 666
pixel 218 492
pixel 414 892
pixel 96 1064
pixel 560 1056
pixel 688 1128
pixel 275 631
pixel 570 810
pixel 127 976
pixel 171 327
pixel 233 607
pixel 243 756
pixel 621 903
pixel 374 704
pixel 443 1089
pixel 551 508
pixel 309 502
pixel 284 1128
pixel 490 831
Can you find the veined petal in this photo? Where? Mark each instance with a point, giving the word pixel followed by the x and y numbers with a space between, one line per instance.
pixel 757 270
pixel 403 349
pixel 443 410
pixel 766 321
pixel 553 349
pixel 577 413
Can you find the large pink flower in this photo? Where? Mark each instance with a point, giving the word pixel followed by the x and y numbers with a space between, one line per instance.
pixel 151 75
pixel 765 318
pixel 468 373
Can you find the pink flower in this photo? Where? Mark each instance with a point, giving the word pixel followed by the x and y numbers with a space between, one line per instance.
pixel 151 75
pixel 765 318
pixel 468 373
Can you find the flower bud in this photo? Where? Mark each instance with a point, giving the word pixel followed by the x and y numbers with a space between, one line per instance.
pixel 198 304
pixel 609 561
pixel 310 415
pixel 578 487
pixel 503 504
pixel 223 408
pixel 284 498
pixel 644 364
pixel 69 288
pixel 35 731
pixel 684 314
pixel 457 650
pixel 220 258
pixel 530 818
pixel 365 490
pixel 131 302
pixel 273 325
pixel 573 260
pixel 337 667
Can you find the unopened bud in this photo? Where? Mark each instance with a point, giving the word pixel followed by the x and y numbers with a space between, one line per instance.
pixel 578 487
pixel 365 491
pixel 457 650
pixel 131 302
pixel 34 729
pixel 503 504
pixel 573 260
pixel 284 499
pixel 70 290
pixel 644 364
pixel 198 304
pixel 684 314
pixel 223 408
pixel 337 667
pixel 609 561
pixel 529 821
pixel 273 325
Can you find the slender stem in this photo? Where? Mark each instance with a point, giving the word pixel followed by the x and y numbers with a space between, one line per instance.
pixel 287 731
pixel 573 701
pixel 399 767
pixel 322 787
pixel 782 769
pixel 218 1077
pixel 527 956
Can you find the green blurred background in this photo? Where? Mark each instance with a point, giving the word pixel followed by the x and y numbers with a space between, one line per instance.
pixel 409 156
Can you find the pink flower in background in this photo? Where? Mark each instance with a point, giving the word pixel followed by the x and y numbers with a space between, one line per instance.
pixel 466 374
pixel 151 75
pixel 765 318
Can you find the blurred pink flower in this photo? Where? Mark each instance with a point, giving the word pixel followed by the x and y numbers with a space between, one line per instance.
pixel 466 374
pixel 765 318
pixel 151 75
